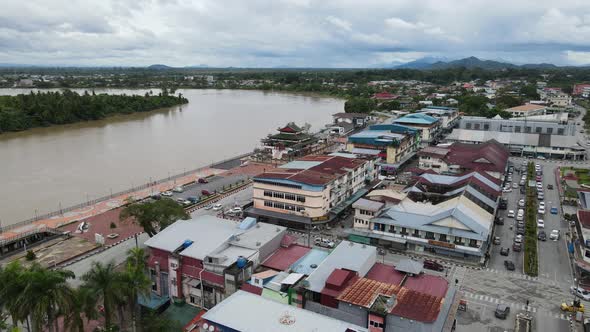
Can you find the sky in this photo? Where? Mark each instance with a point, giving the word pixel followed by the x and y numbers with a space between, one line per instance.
pixel 291 33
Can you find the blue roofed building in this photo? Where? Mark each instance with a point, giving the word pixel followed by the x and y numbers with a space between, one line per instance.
pixel 393 143
pixel 449 116
pixel 428 125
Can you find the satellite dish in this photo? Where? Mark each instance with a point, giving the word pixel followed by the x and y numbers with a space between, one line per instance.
pixel 205 326
pixel 211 328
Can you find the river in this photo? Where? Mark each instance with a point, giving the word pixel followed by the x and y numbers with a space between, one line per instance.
pixel 45 168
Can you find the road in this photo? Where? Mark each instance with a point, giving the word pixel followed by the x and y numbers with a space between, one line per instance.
pixel 216 183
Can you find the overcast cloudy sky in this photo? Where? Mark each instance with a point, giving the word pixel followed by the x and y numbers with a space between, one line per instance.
pixel 313 33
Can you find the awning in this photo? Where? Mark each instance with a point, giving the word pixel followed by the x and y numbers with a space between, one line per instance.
pixel 348 202
pixel 359 239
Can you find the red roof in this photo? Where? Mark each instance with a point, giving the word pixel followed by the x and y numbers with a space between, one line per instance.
pixel 331 168
pixel 490 156
pixel 385 96
pixel 251 289
pixel 285 257
pixel 418 306
pixel 584 218
pixel 428 284
pixel 363 292
pixel 385 273
pixel 338 278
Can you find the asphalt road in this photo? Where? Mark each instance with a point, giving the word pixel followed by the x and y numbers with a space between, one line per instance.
pixel 216 183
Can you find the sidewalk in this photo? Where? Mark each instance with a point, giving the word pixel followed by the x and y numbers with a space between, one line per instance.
pixel 103 206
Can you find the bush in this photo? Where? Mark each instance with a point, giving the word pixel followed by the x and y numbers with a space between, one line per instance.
pixel 30 255
pixel 530 261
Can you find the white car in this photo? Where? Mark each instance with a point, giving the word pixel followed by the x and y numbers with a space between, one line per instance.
pixel 178 189
pixel 519 217
pixel 540 223
pixel 324 242
pixel 521 203
pixel 510 214
pixel 541 210
pixel 580 292
pixel 541 157
pixel 554 235
pixel 515 185
pixel 518 239
pixel 167 193
pixel 542 204
pixel 507 190
pixel 236 210
pixel 217 207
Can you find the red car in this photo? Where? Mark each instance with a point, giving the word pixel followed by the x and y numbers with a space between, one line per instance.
pixel 201 180
pixel 433 265
pixel 205 192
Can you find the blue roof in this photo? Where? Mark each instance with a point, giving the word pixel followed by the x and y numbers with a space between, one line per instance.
pixel 416 118
pixel 314 256
pixel 394 128
pixel 375 137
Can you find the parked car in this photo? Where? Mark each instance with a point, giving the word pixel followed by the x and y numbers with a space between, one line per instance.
pixel 433 265
pixel 580 292
pixel 203 180
pixel 509 265
pixel 542 236
pixel 502 310
pixel 499 221
pixel 518 239
pixel 507 190
pixel 178 189
pixel 520 231
pixel 322 242
pixel 167 193
pixel 541 158
pixel 554 235
pixel 156 196
pixel 510 214
pixel 205 192
pixel 209 207
pixel 540 196
pixel 193 199
pixel 514 185
pixel 504 251
pixel 519 217
pixel 553 210
pixel 517 247
pixel 550 186
pixel 217 207
pixel 541 210
pixel 497 240
pixel 236 210
pixel 521 203
pixel 540 223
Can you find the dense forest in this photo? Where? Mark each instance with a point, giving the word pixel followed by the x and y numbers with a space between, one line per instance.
pixel 42 109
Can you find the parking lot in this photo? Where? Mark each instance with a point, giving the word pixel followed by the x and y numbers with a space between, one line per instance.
pixel 215 184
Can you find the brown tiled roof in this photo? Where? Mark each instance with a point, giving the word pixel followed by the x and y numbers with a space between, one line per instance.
pixel 364 291
pixel 331 168
pixel 467 156
pixel 418 306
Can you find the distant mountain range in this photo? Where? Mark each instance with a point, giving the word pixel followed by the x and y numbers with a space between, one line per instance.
pixel 470 63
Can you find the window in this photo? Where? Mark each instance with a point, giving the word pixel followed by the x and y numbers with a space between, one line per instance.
pixel 278 195
pixel 404 232
pixel 416 233
pixel 268 193
pixel 473 243
pixel 301 199
pixel 560 131
pixel 476 127
pixel 527 129
pixel 376 324
pixel 468 125
pixel 442 237
pixel 538 130
pixel 268 203
pixel 549 130
pixel 430 235
pixel 486 127
pixel 391 229
pixel 279 205
pixel 290 197
pixel 458 240
pixel 517 129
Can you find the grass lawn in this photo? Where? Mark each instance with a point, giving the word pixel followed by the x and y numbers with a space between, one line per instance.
pixel 583 174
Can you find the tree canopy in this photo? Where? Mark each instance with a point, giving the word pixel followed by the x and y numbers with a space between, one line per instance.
pixel 43 109
pixel 154 216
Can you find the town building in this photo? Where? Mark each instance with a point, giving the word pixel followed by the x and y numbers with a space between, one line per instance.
pixel 351 286
pixel 447 215
pixel 527 110
pixel 393 143
pixel 349 121
pixel 582 90
pixel 429 126
pixel 384 96
pixel 490 157
pixel 448 116
pixel 552 124
pixel 205 259
pixel 364 211
pixel 290 142
pixel 246 312
pixel 524 144
pixel 312 189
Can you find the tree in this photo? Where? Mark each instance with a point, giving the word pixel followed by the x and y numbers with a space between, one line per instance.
pixel 46 295
pixel 84 308
pixel 529 91
pixel 155 323
pixel 104 285
pixel 137 283
pixel 154 216
pixel 11 286
pixel 359 105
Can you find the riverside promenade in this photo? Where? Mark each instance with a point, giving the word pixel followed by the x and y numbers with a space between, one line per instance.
pixel 86 210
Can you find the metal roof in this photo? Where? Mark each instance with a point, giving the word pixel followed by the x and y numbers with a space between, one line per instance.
pixel 409 266
pixel 416 118
pixel 367 204
pixel 526 139
pixel 243 311
pixel 347 255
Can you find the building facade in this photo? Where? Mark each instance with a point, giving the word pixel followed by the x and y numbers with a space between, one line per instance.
pixel 449 116
pixel 392 143
pixel 430 127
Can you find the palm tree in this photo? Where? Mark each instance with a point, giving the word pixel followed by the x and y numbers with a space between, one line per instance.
pixel 105 285
pixel 45 295
pixel 137 282
pixel 84 308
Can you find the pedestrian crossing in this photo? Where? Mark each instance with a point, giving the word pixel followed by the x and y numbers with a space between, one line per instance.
pixel 513 305
pixel 523 276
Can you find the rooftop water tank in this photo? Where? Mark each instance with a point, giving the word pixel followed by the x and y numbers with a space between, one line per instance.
pixel 241 262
